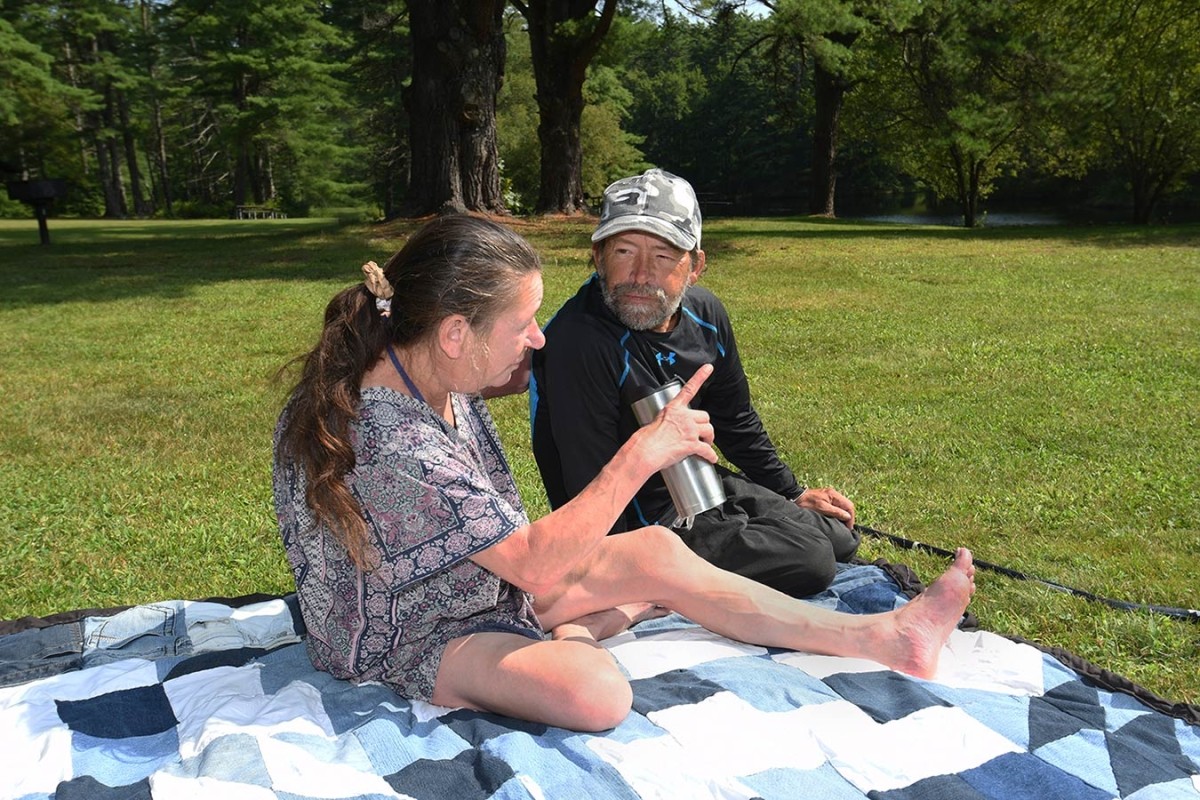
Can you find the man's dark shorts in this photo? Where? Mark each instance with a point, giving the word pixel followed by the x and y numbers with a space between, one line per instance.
pixel 766 537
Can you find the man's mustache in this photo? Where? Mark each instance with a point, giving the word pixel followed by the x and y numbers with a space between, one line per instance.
pixel 639 290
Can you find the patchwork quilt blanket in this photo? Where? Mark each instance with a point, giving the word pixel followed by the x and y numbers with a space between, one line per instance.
pixel 188 699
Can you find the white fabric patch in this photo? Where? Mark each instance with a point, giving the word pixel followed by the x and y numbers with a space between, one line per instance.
pixel 32 732
pixel 929 742
pixel 781 739
pixel 49 748
pixel 165 786
pixel 229 700
pixel 823 666
pixel 985 661
pixel 673 649
pixel 346 773
pixel 659 769
pixel 130 673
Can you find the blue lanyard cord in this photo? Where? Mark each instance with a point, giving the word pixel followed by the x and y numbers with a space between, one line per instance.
pixel 412 387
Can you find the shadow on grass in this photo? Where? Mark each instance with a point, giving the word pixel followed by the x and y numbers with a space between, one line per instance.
pixel 99 261
pixel 1116 235
pixel 95 261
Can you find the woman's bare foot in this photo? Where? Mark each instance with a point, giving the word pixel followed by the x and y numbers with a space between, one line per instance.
pixel 924 624
pixel 602 624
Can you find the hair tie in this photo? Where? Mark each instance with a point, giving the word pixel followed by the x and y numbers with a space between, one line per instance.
pixel 377 284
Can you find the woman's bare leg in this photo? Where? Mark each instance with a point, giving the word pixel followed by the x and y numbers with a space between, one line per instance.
pixel 602 624
pixel 653 565
pixel 569 681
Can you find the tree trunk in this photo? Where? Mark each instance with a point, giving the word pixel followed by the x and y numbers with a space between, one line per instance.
pixel 110 162
pixel 160 141
pixel 140 207
pixel 160 157
pixel 108 170
pixel 564 36
pixel 458 65
pixel 830 96
pixel 560 111
pixel 1144 194
pixel 241 175
pixel 963 179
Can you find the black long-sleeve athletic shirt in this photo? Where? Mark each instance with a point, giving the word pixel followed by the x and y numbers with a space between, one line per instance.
pixel 593 368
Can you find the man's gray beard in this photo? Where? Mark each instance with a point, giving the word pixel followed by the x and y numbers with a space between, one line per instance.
pixel 641 319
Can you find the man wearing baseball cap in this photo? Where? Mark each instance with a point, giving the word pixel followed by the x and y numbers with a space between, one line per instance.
pixel 639 321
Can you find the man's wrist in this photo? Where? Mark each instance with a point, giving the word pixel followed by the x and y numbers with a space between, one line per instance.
pixel 800 493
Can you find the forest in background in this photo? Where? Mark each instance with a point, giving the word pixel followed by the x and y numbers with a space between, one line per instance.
pixel 192 108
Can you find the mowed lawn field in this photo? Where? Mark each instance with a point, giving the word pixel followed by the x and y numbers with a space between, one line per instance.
pixel 1032 393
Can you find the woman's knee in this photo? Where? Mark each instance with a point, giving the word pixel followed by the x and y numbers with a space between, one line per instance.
pixel 595 695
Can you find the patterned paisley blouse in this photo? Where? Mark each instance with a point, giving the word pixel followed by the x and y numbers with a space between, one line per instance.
pixel 432 495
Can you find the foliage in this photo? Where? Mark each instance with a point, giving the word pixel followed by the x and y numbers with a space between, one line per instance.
pixel 1131 101
pixel 190 106
pixel 376 51
pixel 35 110
pixel 609 152
pixel 264 105
pixel 955 95
pixel 710 112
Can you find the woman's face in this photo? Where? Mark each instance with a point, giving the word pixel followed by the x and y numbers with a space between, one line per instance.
pixel 515 332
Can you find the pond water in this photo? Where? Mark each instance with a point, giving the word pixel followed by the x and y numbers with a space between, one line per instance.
pixel 993 220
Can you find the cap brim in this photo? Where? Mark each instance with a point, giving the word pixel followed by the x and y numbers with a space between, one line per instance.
pixel 645 224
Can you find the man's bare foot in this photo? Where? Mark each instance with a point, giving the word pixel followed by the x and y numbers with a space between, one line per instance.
pixel 603 624
pixel 925 623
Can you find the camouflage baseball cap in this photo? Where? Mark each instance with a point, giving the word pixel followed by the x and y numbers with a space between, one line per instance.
pixel 654 202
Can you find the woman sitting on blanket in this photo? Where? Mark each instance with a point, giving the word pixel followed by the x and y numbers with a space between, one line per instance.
pixel 414 562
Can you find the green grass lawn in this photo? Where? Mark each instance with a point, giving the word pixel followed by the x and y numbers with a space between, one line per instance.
pixel 1032 393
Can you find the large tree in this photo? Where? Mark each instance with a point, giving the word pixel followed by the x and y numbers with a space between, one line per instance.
pixel 378 56
pixel 457 70
pixel 262 114
pixel 564 36
pixel 832 33
pixel 953 94
pixel 35 111
pixel 1134 93
pixel 609 151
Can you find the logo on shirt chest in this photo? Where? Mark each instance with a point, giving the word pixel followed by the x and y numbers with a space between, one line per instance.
pixel 665 358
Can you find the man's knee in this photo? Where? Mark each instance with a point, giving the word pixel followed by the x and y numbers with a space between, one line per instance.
pixel 802 580
pixel 795 560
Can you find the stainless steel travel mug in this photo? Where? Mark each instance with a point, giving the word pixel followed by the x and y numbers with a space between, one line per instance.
pixel 693 482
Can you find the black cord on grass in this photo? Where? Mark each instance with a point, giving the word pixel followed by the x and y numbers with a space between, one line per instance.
pixel 1190 614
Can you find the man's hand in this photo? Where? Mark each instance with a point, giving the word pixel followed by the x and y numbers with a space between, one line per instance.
pixel 829 502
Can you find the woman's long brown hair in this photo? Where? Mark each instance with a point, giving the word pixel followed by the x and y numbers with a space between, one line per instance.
pixel 453 265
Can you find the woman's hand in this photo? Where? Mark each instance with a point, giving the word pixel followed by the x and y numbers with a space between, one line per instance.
pixel 679 431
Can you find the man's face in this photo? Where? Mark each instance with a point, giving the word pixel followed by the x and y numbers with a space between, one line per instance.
pixel 644 277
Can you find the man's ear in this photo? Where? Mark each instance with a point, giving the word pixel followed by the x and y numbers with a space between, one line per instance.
pixel 597 253
pixel 452 335
pixel 698 266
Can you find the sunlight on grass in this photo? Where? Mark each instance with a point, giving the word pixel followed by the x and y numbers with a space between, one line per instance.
pixel 1031 393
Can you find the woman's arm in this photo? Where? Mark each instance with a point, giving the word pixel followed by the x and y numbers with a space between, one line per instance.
pixel 538 555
